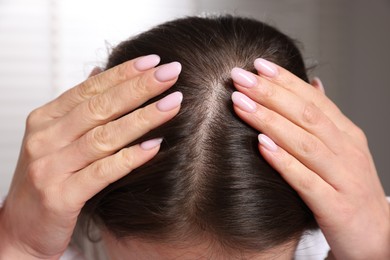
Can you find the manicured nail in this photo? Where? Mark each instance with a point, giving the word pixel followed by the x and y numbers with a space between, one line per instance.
pixel 267 143
pixel 316 81
pixel 170 102
pixel 243 77
pixel 243 102
pixel 266 68
pixel 168 71
pixel 147 62
pixel 95 71
pixel 150 144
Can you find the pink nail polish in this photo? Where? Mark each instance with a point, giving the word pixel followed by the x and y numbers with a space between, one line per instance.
pixel 147 62
pixel 95 72
pixel 319 84
pixel 150 144
pixel 267 143
pixel 170 102
pixel 243 78
pixel 243 102
pixel 266 68
pixel 168 71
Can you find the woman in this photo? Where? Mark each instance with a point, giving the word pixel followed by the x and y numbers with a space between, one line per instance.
pixel 208 193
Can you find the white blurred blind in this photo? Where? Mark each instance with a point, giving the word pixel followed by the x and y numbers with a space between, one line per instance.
pixel 25 73
pixel 47 46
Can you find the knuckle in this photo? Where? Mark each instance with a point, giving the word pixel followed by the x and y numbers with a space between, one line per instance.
pixel 139 88
pixel 288 164
pixel 308 146
pixel 107 173
pixel 265 90
pixel 33 143
pixel 36 172
pixel 360 135
pixel 287 82
pixel 46 192
pixel 99 139
pixel 311 114
pixel 99 108
pixel 100 172
pixel 142 121
pixel 266 117
pixel 127 159
pixel 306 184
pixel 89 88
pixel 34 118
pixel 124 71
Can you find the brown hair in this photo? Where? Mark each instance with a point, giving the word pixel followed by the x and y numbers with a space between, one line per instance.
pixel 209 177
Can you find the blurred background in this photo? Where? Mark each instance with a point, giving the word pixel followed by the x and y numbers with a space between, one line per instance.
pixel 48 46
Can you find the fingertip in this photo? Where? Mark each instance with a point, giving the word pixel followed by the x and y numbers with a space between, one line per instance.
pixel 266 67
pixel 147 62
pixel 267 143
pixel 170 102
pixel 95 71
pixel 168 72
pixel 243 78
pixel 151 144
pixel 317 83
pixel 243 102
pixel 270 157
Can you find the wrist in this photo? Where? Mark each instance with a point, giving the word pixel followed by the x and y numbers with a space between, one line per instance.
pixel 381 246
pixel 10 248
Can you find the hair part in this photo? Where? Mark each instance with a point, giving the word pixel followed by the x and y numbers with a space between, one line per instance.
pixel 208 177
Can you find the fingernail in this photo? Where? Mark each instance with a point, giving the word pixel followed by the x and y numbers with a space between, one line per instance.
pixel 243 77
pixel 243 102
pixel 150 144
pixel 147 62
pixel 168 71
pixel 170 102
pixel 267 143
pixel 319 84
pixel 95 71
pixel 266 68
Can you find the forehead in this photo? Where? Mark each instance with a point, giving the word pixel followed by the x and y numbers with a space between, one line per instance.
pixel 142 250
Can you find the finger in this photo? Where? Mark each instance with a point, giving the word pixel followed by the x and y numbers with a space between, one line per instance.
pixel 314 191
pixel 317 83
pixel 105 140
pixel 98 84
pixel 307 148
pixel 287 104
pixel 84 184
pixel 39 118
pixel 116 101
pixel 95 71
pixel 282 77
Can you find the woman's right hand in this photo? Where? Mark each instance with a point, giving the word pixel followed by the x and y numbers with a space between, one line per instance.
pixel 73 148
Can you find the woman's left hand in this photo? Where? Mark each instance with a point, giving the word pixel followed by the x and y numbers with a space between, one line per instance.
pixel 321 154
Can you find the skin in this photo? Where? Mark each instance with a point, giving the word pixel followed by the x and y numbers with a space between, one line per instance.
pixel 203 250
pixel 57 172
pixel 325 158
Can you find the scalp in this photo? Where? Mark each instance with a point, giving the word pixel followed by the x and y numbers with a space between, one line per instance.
pixel 208 177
